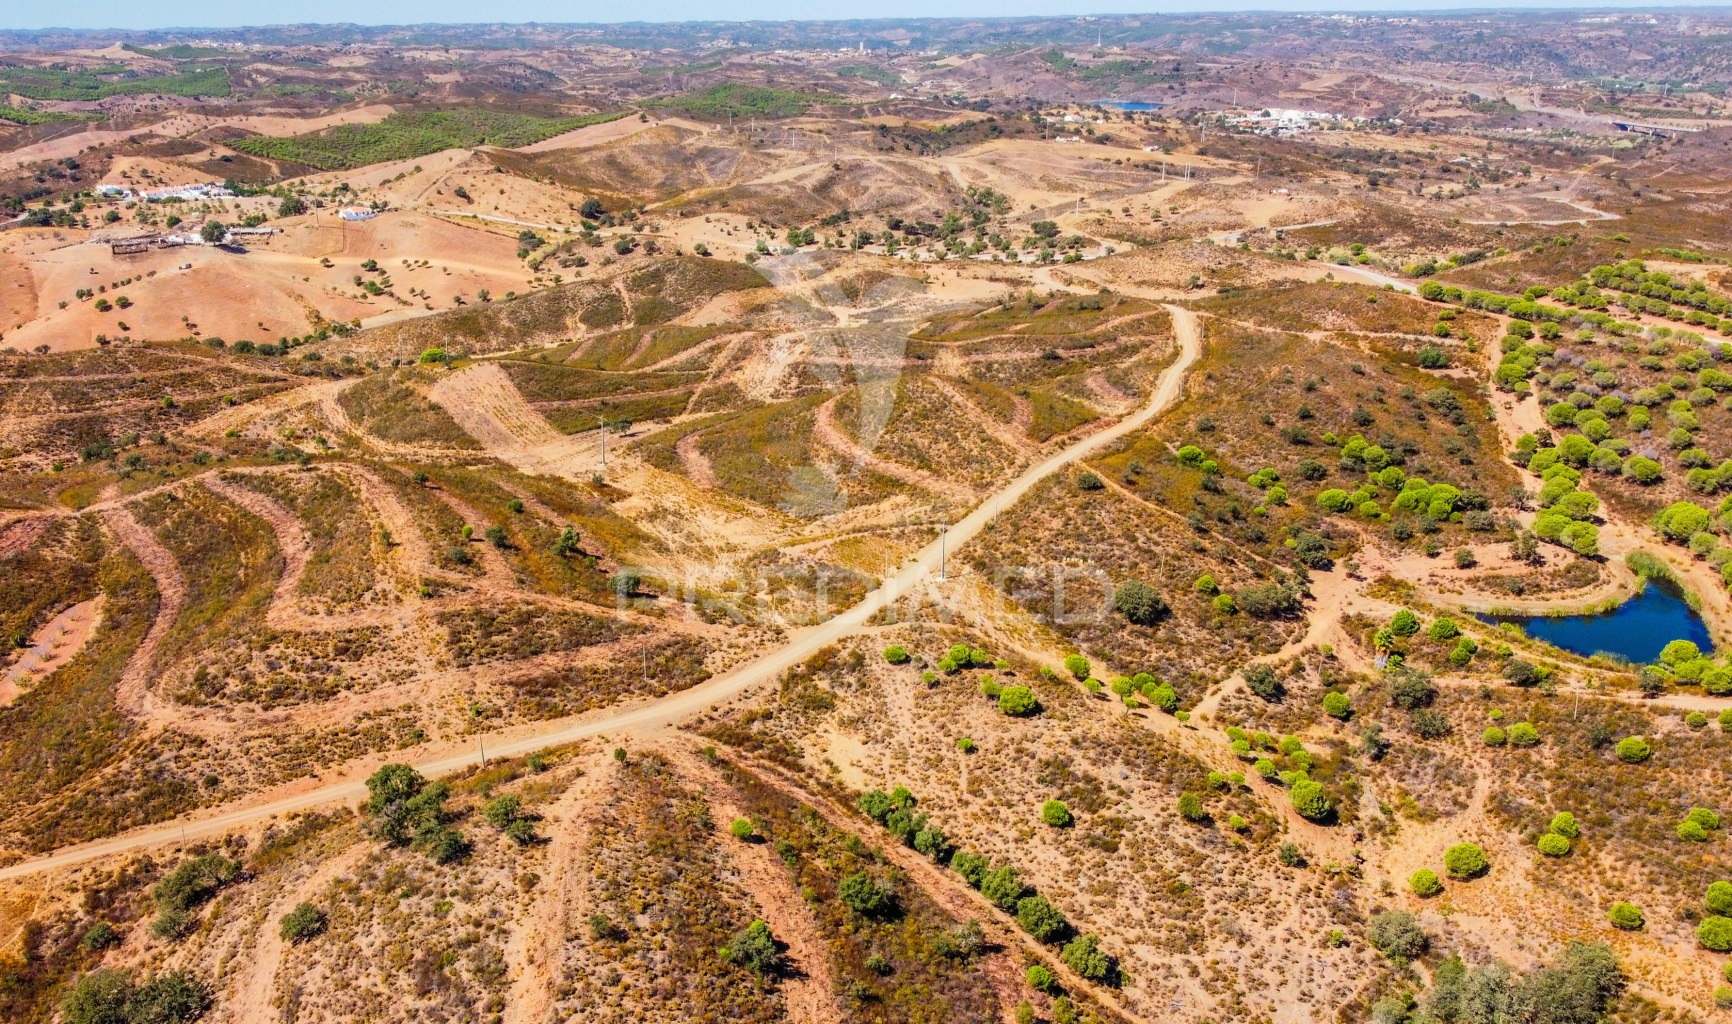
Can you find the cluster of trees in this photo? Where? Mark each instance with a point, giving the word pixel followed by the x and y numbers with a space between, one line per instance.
pixel 1697 825
pixel 1556 841
pixel 1293 770
pixel 188 887
pixel 1581 986
pixel 112 997
pixel 405 809
pixel 1036 915
pixel 1147 687
pixel 895 811
pixel 1682 662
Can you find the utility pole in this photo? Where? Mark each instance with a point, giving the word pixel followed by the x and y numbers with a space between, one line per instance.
pixel 483 741
pixel 602 421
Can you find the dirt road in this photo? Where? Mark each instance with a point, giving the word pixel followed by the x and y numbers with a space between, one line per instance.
pixel 679 706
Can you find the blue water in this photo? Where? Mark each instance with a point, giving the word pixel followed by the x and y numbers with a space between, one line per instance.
pixel 1130 104
pixel 1636 629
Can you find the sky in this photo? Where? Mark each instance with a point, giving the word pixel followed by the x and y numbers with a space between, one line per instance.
pixel 158 14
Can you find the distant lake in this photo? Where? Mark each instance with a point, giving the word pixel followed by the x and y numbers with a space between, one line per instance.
pixel 1636 629
pixel 1129 104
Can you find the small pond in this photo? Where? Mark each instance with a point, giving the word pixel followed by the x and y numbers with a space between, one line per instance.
pixel 1636 629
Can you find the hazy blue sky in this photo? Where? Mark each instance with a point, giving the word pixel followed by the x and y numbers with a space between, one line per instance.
pixel 133 14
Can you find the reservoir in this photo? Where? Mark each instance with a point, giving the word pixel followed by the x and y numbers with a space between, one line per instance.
pixel 1635 630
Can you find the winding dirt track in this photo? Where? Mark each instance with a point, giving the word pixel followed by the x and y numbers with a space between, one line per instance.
pixel 650 717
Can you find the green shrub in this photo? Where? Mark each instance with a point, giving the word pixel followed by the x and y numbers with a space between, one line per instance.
pixel 1077 665
pixel 1397 935
pixel 97 998
pixel 1425 883
pixel 302 923
pixel 1404 623
pixel 1715 933
pixel 1308 799
pixel 1718 898
pixel 1336 705
pixel 98 937
pixel 1690 832
pixel 896 654
pixel 875 804
pixel 1553 845
pixel 1017 700
pixel 1039 918
pixel 1625 916
pixel 1290 855
pixel 1493 736
pixel 1464 861
pixel 1084 956
pixel 1443 629
pixel 1003 886
pixel 754 948
pixel 1191 807
pixel 1633 750
pixel 1564 824
pixel 1139 603
pixel 1056 814
pixel 1707 819
pixel 741 829
pixel 971 866
pixel 1260 679
pixel 864 896
pixel 1523 734
pixel 1040 979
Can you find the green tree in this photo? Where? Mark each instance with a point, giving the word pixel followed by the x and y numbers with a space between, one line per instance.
pixel 1336 705
pixel 1397 935
pixel 1077 665
pixel 1464 861
pixel 1553 845
pixel 1056 814
pixel 1084 955
pixel 864 896
pixel 1003 886
pixel 1139 603
pixel 1718 898
pixel 1191 807
pixel 896 654
pixel 1017 700
pixel 1715 933
pixel 1039 978
pixel 754 948
pixel 1425 883
pixel 97 998
pixel 1040 918
pixel 1308 799
pixel 1633 750
pixel 1261 680
pixel 302 923
pixel 214 231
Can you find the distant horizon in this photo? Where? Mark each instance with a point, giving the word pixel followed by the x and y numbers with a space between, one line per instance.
pixel 195 16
